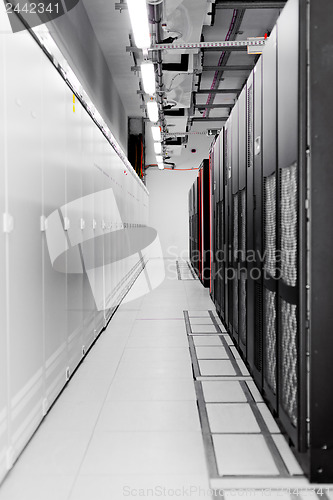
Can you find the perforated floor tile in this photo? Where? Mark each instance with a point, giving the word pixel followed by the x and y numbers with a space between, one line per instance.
pixel 207 340
pixel 214 352
pixel 223 392
pixel 216 367
pixel 232 418
pixel 240 454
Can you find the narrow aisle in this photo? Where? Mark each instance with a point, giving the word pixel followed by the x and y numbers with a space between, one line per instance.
pixel 162 406
pixel 128 421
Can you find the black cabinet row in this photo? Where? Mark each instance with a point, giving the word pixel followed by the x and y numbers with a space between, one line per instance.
pixel 270 178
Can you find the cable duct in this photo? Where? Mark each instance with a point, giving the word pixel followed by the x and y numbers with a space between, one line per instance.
pixel 155 18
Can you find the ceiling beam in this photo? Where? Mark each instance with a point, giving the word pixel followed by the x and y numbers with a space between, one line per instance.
pixel 212 106
pixel 210 119
pixel 254 4
pixel 218 91
pixel 234 48
pixel 225 67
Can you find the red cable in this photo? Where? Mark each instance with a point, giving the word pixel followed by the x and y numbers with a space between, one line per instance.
pixel 141 157
pixel 210 227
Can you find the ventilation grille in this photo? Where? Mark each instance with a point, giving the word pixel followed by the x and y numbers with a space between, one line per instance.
pixel 222 265
pixel 235 226
pixel 242 235
pixel 289 360
pixel 235 304
pixel 258 327
pixel 270 224
pixel 250 126
pixel 242 307
pixel 270 338
pixel 289 225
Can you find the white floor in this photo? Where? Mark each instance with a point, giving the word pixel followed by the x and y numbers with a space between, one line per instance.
pixel 127 425
pixel 128 422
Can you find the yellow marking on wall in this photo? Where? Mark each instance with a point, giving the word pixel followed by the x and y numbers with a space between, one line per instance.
pixel 73 103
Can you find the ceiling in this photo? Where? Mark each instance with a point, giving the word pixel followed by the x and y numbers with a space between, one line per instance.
pixel 192 21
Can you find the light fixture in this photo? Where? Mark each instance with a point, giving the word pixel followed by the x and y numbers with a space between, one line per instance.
pixel 160 166
pixel 157 148
pixel 159 158
pixel 152 109
pixel 156 131
pixel 148 77
pixel 139 19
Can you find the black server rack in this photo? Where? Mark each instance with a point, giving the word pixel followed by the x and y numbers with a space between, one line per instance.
pixel 255 348
pixel 194 226
pixel 274 211
pixel 200 229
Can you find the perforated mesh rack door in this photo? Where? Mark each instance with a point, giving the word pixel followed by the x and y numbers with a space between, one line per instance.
pixel 288 222
pixel 270 288
pixel 242 235
pixel 289 361
pixel 242 306
pixel 250 126
pixel 235 254
pixel 243 275
pixel 258 327
pixel 217 255
pixel 270 338
pixel 270 224
pixel 288 291
pixel 235 226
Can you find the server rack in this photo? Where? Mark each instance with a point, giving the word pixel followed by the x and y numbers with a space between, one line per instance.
pixel 288 224
pixel 193 226
pixel 200 230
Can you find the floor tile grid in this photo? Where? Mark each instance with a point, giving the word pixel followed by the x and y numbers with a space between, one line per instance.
pixel 195 277
pixel 185 271
pixel 283 472
pixel 196 367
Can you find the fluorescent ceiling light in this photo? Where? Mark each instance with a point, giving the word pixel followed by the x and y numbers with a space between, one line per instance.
pixel 148 77
pixel 159 158
pixel 156 131
pixel 160 166
pixel 152 110
pixel 139 19
pixel 157 148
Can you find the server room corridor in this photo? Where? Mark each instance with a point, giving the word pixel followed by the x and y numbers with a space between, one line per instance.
pixel 166 226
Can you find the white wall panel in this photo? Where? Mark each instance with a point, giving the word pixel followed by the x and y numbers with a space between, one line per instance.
pixel 87 152
pixel 65 257
pixel 73 211
pixel 3 301
pixel 24 149
pixel 54 197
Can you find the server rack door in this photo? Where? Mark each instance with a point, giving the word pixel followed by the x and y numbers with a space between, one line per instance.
pixel 221 210
pixel 206 234
pixel 249 220
pixel 321 278
pixel 216 224
pixel 228 227
pixel 269 298
pixel 288 219
pixel 256 361
pixel 242 221
pixel 234 210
